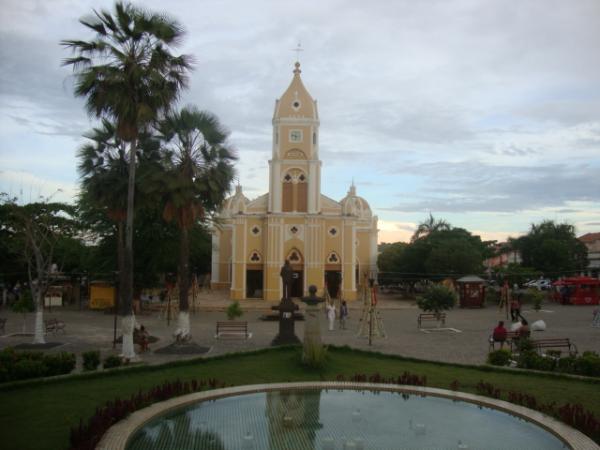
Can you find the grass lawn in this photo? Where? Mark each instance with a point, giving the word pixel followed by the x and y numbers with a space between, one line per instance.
pixel 38 415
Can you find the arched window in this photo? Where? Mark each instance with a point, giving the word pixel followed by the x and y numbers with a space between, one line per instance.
pixel 295 191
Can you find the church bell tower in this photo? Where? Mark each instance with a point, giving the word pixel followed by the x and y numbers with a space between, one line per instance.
pixel 295 168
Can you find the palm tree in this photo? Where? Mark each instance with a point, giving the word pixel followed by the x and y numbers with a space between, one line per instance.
pixel 128 75
pixel 199 173
pixel 103 168
pixel 431 225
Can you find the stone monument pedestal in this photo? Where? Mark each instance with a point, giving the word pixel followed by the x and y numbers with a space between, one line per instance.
pixel 286 335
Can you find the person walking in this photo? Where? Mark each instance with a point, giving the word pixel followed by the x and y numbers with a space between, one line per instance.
pixel 343 314
pixel 331 315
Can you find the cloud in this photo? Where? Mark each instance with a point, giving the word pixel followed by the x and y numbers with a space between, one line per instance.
pixel 472 186
pixel 26 187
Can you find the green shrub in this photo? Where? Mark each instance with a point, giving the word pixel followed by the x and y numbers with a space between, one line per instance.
pixel 112 361
pixel 588 364
pixel 234 311
pixel 499 357
pixel 24 365
pixel 28 368
pixel 436 299
pixel 60 364
pixel 534 297
pixel 531 360
pixel 566 364
pixel 524 345
pixel 91 360
pixel 314 356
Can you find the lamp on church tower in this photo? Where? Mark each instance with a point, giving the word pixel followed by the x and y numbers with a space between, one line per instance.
pixel 295 168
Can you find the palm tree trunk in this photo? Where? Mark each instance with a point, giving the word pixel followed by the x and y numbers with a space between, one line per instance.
pixel 127 318
pixel 183 331
pixel 121 261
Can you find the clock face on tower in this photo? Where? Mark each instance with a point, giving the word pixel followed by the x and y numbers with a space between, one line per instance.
pixel 295 136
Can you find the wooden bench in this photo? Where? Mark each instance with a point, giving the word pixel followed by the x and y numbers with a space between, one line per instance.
pixel 540 344
pixel 510 336
pixel 54 325
pixel 427 317
pixel 232 329
pixel 2 324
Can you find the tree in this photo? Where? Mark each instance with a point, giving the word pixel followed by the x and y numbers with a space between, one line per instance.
pixel 103 167
pixel 199 173
pixel 35 229
pixel 453 252
pixel 439 252
pixel 552 248
pixel 129 75
pixel 429 226
pixel 389 260
pixel 436 299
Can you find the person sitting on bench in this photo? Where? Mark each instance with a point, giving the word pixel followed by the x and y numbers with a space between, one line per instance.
pixel 524 329
pixel 499 334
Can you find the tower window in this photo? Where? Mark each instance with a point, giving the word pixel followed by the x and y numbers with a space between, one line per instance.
pixel 302 178
pixel 314 138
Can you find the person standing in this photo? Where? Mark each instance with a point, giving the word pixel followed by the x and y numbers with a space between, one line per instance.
pixel 515 306
pixel 343 314
pixel 331 315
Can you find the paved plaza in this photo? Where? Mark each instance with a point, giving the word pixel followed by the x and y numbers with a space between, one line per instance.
pixel 466 341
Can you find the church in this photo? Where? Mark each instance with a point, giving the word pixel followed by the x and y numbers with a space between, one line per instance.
pixel 331 244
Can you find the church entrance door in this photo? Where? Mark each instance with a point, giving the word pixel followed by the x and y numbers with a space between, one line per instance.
pixel 254 283
pixel 297 283
pixel 333 279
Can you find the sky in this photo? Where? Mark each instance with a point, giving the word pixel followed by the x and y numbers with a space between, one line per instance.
pixel 482 113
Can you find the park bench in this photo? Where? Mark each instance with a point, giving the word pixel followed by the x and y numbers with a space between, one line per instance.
pixel 54 325
pixel 540 344
pixel 510 337
pixel 2 323
pixel 232 329
pixel 427 317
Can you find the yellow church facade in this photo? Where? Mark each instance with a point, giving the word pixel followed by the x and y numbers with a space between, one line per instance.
pixel 329 243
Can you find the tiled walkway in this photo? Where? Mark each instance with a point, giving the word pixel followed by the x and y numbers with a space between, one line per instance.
pixel 88 330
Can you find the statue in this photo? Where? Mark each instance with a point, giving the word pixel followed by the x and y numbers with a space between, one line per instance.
pixel 287 277
pixel 286 308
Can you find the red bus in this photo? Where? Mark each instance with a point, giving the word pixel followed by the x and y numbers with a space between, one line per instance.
pixel 577 291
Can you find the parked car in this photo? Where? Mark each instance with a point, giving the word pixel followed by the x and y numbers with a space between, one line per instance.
pixel 541 284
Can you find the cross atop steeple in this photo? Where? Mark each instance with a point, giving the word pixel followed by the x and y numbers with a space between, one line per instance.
pixel 298 49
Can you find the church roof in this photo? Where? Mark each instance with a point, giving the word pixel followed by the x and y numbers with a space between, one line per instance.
pixel 588 238
pixel 235 204
pixel 259 204
pixel 296 102
pixel 353 205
